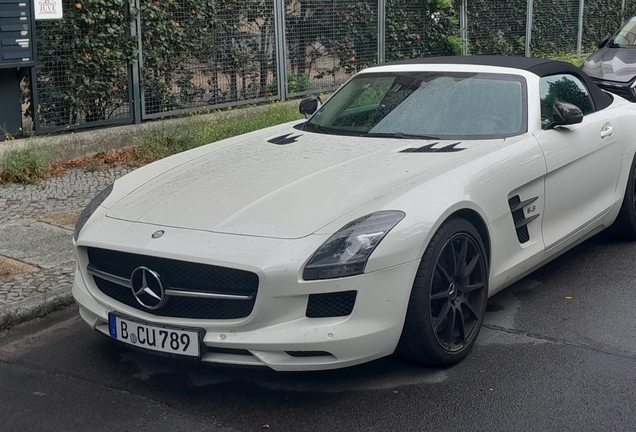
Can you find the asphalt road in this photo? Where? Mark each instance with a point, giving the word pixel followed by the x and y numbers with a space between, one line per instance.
pixel 558 353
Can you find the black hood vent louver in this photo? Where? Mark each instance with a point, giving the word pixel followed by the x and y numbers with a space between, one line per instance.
pixel 284 139
pixel 429 149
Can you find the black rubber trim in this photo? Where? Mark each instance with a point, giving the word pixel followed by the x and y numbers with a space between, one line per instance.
pixel 525 222
pixel 521 205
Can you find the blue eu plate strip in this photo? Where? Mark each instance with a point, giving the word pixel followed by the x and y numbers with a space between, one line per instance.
pixel 112 323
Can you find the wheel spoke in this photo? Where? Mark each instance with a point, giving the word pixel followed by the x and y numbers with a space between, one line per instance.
pixel 462 324
pixel 439 295
pixel 444 273
pixel 441 316
pixel 462 256
pixel 473 287
pixel 451 328
pixel 470 308
pixel 454 253
pixel 471 266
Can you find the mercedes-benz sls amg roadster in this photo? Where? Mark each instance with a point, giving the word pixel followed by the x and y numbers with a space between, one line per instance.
pixel 379 224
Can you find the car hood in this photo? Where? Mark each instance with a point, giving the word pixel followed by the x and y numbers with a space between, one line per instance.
pixel 284 183
pixel 612 64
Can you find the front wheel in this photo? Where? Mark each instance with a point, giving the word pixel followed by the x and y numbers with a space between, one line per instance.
pixel 448 299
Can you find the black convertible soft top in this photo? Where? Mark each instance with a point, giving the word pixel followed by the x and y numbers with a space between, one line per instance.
pixel 537 66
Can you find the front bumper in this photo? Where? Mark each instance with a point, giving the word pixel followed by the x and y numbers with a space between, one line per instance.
pixel 278 324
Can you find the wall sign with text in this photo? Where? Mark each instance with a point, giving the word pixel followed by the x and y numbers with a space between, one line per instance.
pixel 47 9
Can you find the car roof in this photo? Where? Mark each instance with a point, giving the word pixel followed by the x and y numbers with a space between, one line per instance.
pixel 538 66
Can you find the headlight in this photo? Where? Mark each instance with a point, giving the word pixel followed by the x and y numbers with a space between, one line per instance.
pixel 633 88
pixel 347 251
pixel 90 209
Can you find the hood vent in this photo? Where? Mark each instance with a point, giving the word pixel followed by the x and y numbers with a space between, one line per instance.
pixel 429 149
pixel 284 139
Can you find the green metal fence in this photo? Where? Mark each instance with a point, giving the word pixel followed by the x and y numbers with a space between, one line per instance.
pixel 125 61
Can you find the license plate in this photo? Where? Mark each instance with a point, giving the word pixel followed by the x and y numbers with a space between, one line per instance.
pixel 157 338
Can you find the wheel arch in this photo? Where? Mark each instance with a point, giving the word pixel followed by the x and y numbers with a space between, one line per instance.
pixel 478 222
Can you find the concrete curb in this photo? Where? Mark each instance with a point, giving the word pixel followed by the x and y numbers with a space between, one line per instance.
pixel 81 144
pixel 35 306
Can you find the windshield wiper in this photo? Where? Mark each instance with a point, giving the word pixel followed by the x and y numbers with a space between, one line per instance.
pixel 399 135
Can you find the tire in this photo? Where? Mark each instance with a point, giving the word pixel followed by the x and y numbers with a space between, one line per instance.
pixel 448 300
pixel 624 227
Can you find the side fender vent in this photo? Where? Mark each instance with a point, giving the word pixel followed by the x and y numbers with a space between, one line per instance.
pixel 284 139
pixel 430 149
pixel 518 217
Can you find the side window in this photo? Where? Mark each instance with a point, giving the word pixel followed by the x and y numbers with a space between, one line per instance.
pixel 563 88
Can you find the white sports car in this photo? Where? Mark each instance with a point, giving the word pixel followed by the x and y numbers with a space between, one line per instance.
pixel 381 224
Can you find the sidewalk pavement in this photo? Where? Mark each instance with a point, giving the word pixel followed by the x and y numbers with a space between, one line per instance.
pixel 37 261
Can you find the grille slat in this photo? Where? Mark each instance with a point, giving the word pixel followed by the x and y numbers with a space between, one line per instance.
pixel 181 274
pixel 180 307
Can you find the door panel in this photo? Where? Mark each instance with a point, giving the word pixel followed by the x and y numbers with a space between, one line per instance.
pixel 583 164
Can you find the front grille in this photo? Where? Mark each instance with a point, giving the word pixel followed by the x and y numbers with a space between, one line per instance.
pixel 331 304
pixel 181 307
pixel 181 276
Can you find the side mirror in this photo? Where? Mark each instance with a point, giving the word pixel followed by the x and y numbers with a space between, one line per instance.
pixel 565 114
pixel 604 41
pixel 310 105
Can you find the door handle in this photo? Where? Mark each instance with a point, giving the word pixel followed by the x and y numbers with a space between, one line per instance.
pixel 607 130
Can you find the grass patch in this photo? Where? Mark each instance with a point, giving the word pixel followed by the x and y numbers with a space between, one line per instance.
pixel 169 140
pixel 24 165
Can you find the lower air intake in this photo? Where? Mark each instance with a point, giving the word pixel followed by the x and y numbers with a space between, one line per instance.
pixel 331 304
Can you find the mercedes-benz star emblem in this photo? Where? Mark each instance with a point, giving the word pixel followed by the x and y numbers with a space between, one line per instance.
pixel 157 234
pixel 147 288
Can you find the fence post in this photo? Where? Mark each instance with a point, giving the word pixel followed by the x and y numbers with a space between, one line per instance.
pixel 280 47
pixel 463 24
pixel 135 67
pixel 623 12
pixel 579 38
pixel 529 27
pixel 381 30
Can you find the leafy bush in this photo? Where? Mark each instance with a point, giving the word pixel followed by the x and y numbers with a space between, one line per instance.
pixel 421 28
pixel 83 62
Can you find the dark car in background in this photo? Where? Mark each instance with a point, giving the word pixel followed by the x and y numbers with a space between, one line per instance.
pixel 613 66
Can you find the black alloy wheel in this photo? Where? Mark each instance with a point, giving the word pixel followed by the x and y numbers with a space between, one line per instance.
pixel 448 299
pixel 458 292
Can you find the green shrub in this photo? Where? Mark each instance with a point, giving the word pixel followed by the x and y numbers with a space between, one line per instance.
pixel 24 166
pixel 297 83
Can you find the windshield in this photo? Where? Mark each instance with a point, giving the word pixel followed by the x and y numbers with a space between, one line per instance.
pixel 626 36
pixel 435 105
